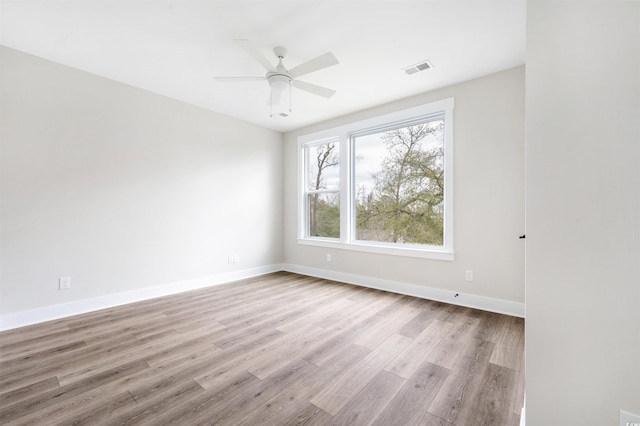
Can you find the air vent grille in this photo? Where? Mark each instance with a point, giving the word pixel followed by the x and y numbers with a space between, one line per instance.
pixel 421 66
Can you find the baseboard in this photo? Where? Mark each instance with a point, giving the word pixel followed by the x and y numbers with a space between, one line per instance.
pixel 500 306
pixel 48 313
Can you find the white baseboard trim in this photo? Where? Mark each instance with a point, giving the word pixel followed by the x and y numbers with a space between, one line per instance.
pixel 48 313
pixel 500 306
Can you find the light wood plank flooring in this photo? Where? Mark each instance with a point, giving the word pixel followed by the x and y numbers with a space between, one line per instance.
pixel 281 349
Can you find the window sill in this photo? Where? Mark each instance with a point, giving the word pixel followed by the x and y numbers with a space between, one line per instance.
pixel 381 249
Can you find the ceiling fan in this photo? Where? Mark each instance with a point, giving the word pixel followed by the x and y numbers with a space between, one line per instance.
pixel 280 79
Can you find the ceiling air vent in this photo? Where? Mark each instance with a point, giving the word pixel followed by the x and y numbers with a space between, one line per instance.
pixel 421 66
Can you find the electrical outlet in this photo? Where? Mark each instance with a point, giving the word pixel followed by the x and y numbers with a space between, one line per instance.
pixel 328 257
pixel 236 258
pixel 64 283
pixel 629 419
pixel 468 275
pixel 230 259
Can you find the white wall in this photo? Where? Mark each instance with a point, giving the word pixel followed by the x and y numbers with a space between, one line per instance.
pixel 122 189
pixel 583 212
pixel 488 197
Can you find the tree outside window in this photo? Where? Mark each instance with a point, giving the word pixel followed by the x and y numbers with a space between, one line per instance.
pixel 399 185
pixel 323 190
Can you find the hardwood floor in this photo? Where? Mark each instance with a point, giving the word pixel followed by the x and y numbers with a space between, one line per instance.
pixel 281 349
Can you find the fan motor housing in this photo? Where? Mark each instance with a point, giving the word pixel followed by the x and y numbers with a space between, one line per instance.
pixel 276 77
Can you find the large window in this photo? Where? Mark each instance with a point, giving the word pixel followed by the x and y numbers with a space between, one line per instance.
pixel 382 185
pixel 399 183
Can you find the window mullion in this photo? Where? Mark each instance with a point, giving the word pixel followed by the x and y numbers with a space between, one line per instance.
pixel 345 195
pixel 323 191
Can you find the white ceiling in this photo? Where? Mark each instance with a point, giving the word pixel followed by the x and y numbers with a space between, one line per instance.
pixel 174 48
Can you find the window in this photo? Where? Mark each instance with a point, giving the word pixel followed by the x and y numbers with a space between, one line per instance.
pixel 381 185
pixel 322 193
pixel 399 183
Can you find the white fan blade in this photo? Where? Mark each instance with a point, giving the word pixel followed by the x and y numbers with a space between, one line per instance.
pixel 322 61
pixel 255 54
pixel 312 88
pixel 239 78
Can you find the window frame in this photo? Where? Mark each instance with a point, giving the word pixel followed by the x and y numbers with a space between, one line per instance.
pixel 344 136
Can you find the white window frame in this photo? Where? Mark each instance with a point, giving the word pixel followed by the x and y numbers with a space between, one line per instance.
pixel 343 134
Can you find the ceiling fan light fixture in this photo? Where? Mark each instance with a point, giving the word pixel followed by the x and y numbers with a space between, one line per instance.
pixel 280 99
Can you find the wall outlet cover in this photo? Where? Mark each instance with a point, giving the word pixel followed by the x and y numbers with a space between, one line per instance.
pixel 64 283
pixel 629 419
